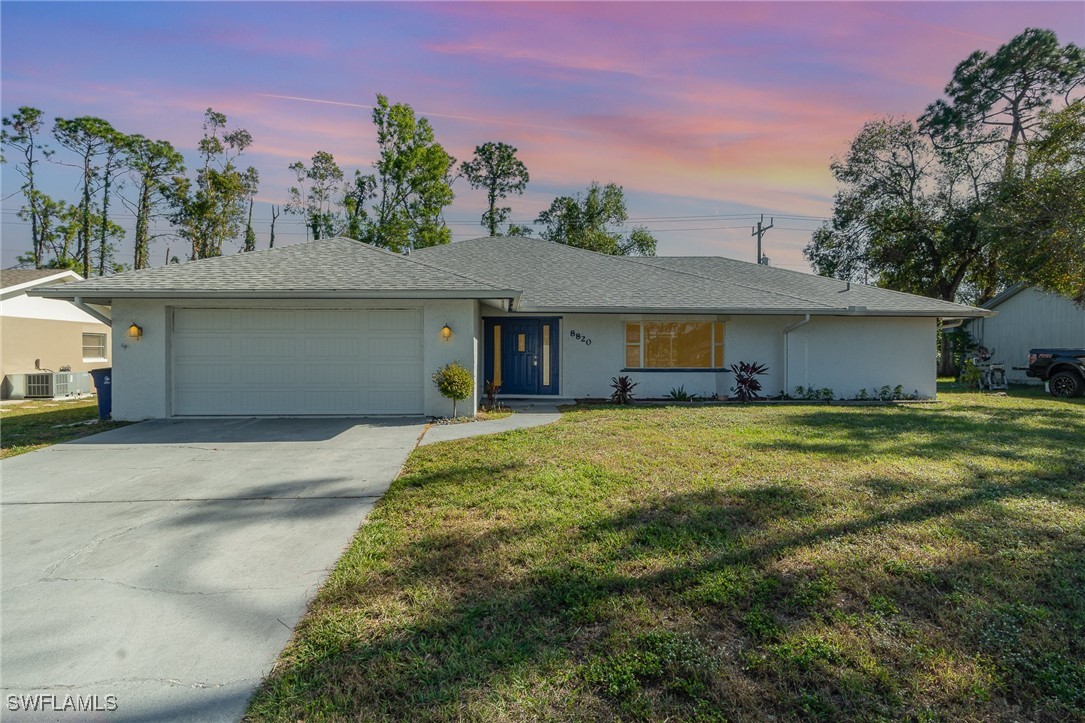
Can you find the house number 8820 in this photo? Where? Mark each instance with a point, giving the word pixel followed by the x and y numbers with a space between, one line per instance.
pixel 579 337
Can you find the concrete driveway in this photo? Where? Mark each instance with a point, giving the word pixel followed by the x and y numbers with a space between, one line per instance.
pixel 166 563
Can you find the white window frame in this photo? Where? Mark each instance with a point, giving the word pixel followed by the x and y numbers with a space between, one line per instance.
pixel 95 347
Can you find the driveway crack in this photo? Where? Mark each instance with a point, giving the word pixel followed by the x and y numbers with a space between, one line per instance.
pixel 99 540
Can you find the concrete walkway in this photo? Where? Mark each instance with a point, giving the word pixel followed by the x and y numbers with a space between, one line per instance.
pixel 167 563
pixel 523 416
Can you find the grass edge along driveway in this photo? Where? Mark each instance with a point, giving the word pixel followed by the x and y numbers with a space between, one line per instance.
pixel 811 562
pixel 35 424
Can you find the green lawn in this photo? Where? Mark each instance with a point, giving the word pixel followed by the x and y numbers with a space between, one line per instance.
pixel 921 562
pixel 40 423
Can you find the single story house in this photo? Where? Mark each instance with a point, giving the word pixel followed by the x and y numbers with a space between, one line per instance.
pixel 43 334
pixel 1028 318
pixel 340 327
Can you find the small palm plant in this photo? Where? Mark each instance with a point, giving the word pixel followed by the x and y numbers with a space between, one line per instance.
pixel 747 385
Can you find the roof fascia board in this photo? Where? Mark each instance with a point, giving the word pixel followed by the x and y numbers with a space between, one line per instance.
pixel 86 294
pixel 9 291
pixel 1004 296
pixel 750 312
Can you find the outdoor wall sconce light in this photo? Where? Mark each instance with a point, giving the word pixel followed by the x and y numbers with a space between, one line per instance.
pixel 446 332
pixel 135 331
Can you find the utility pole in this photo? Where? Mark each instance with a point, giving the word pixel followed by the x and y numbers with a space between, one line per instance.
pixel 759 231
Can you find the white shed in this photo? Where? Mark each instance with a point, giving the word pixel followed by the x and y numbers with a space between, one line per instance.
pixel 1028 318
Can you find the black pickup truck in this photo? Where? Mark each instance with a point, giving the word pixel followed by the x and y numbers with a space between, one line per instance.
pixel 1062 369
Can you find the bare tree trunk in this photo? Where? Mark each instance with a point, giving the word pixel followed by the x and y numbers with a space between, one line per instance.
pixel 274 215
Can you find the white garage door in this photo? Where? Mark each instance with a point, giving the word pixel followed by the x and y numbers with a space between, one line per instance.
pixel 287 361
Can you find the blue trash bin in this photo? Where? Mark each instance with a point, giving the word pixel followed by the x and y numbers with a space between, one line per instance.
pixel 103 384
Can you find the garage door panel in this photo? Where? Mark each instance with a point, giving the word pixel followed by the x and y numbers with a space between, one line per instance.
pixel 389 402
pixel 266 401
pixel 384 346
pixel 401 376
pixel 200 346
pixel 263 320
pixel 191 377
pixel 200 401
pixel 278 374
pixel 332 321
pixel 202 320
pixel 283 362
pixel 325 375
pixel 395 320
pixel 331 402
pixel 331 347
pixel 268 346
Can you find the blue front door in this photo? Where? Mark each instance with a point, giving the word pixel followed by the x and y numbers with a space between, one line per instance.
pixel 521 355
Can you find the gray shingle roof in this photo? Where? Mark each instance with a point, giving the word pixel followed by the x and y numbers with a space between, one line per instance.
pixel 329 266
pixel 833 293
pixel 557 278
pixel 16 277
pixel 538 276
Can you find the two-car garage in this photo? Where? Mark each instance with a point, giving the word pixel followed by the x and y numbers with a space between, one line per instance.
pixel 251 361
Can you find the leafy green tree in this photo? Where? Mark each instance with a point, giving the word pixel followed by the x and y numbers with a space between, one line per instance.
pixel 50 216
pixel 1039 213
pixel 997 98
pixel 212 211
pixel 906 213
pixel 936 208
pixel 153 165
pixel 412 184
pixel 88 138
pixel 595 220
pixel 21 132
pixel 63 244
pixel 357 195
pixel 112 165
pixel 496 168
pixel 252 182
pixel 515 229
pixel 318 195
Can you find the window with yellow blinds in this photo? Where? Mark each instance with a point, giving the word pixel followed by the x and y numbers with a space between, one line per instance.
pixel 674 345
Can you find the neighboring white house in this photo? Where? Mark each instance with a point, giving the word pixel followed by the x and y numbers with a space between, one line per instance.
pixel 1028 318
pixel 45 334
pixel 343 328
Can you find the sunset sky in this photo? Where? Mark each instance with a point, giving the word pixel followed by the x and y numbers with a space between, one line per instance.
pixel 707 113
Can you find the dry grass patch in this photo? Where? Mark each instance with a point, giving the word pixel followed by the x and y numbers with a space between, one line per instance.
pixel 807 563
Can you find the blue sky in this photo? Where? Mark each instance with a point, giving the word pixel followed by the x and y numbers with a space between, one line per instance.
pixel 707 113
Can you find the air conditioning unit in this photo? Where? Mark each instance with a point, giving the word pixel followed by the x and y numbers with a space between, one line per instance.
pixel 48 385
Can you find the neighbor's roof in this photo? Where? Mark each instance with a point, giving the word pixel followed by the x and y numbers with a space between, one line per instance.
pixel 1006 295
pixel 26 278
pixel 555 278
pixel 334 268
pixel 532 275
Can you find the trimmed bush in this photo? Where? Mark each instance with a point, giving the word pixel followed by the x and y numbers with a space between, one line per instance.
pixel 455 382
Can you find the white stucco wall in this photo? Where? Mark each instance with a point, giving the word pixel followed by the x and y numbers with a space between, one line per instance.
pixel 1030 319
pixel 847 354
pixel 842 353
pixel 141 369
